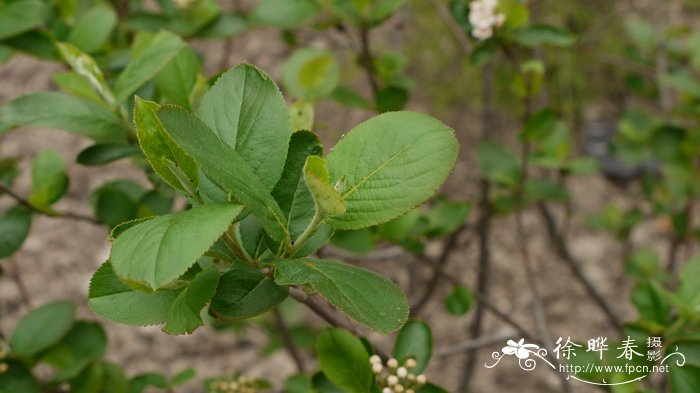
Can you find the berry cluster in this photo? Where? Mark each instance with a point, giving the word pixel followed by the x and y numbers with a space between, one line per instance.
pixel 234 384
pixel 484 18
pixel 396 378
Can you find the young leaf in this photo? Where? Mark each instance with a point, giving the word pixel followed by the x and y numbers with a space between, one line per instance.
pixel 225 167
pixel 177 80
pixel 344 360
pixel 291 192
pixel 327 200
pixel 17 17
pixel 407 156
pixel 311 74
pixel 301 115
pixel 104 153
pixel 116 301
pixel 233 109
pixel 540 34
pixel 90 380
pixel 14 228
pixel 18 379
pixel 414 341
pixel 284 14
pixel 164 46
pixel 244 292
pixel 49 179
pixel 498 164
pixel 84 343
pixel 367 297
pixel 31 335
pixel 92 29
pixel 85 66
pixel 156 252
pixel 161 152
pixel 445 217
pixel 65 112
pixel 459 301
pixel 183 316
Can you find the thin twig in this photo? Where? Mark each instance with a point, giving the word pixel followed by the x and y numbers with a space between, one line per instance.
pixel 16 277
pixel 289 341
pixel 472 345
pixel 448 247
pixel 562 248
pixel 4 189
pixel 328 316
pixel 483 229
pixel 367 60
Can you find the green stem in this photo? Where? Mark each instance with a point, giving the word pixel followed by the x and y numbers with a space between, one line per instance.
pixel 308 232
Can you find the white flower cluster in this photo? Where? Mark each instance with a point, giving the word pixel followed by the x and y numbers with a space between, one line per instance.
pixel 396 378
pixel 234 384
pixel 484 18
pixel 182 4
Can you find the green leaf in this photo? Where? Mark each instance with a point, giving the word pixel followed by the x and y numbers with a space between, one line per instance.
pixel 291 192
pixel 540 34
pixel 406 157
pixel 431 388
pixel 391 98
pixel 35 43
pixel 516 12
pixel 344 360
pixel 225 167
pixel 688 293
pixel 183 316
pixel 245 292
pixel 20 16
pixel 446 217
pixel 49 179
pixel 299 383
pixel 350 98
pixel 301 115
pixel 311 74
pixel 86 67
pixel 32 334
pixel 684 379
pixel 651 302
pixel 459 301
pixel 383 9
pixel 116 301
pixel 367 297
pixel 163 48
pixel 498 164
pixel 84 343
pixel 115 380
pixel 93 28
pixel 179 77
pixel 156 252
pixel 327 200
pixel 642 33
pixel 14 228
pixel 18 379
pixel 90 380
pixel 540 125
pixel 233 110
pixel 65 112
pixel 161 152
pixel 683 81
pixel 359 241
pixel 643 265
pixel 414 341
pixel 104 153
pixel 74 84
pixel 284 14
pixel 116 202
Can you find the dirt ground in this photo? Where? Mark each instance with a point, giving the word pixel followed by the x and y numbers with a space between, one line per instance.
pixel 60 255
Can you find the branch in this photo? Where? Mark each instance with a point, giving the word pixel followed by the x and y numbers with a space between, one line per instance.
pixel 447 248
pixel 367 60
pixel 4 189
pixel 328 316
pixel 562 248
pixel 457 33
pixel 288 340
pixel 472 345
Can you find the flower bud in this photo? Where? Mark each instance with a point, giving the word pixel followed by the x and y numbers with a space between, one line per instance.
pixel 377 368
pixel 392 380
pixel 402 372
pixel 411 363
pixel 387 390
pixel 392 363
pixel 375 359
pixel 421 379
